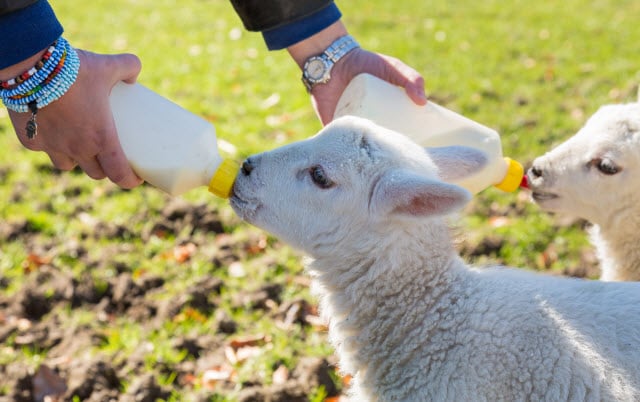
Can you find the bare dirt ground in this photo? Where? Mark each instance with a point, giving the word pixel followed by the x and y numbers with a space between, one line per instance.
pixel 39 317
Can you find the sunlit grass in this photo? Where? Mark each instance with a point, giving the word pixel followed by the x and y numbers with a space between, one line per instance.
pixel 534 71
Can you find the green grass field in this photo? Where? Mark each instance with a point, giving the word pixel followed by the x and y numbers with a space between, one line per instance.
pixel 534 71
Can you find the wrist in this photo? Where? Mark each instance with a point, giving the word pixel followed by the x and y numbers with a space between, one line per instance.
pixel 18 68
pixel 43 83
pixel 26 31
pixel 316 44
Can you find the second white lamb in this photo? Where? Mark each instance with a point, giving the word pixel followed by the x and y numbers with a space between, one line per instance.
pixel 595 175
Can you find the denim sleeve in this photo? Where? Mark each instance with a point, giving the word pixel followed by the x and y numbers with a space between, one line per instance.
pixel 27 31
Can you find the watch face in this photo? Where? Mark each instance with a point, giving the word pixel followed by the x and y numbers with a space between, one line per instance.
pixel 316 69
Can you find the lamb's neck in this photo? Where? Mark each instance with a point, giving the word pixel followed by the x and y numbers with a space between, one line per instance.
pixel 618 251
pixel 407 254
pixel 403 285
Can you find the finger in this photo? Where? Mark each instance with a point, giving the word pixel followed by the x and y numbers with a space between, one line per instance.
pixel 116 166
pixel 415 90
pixel 61 161
pixel 398 73
pixel 92 168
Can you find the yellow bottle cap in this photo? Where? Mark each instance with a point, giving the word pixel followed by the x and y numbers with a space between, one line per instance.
pixel 222 181
pixel 513 178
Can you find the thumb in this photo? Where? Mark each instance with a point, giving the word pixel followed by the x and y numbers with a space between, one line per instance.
pixel 126 67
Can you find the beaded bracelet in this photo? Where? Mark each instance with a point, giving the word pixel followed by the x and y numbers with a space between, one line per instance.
pixel 8 84
pixel 40 74
pixel 33 93
pixel 46 82
pixel 28 96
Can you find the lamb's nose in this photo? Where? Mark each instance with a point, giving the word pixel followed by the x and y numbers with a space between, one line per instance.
pixel 247 167
pixel 535 171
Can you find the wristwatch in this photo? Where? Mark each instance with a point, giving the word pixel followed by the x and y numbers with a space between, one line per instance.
pixel 317 69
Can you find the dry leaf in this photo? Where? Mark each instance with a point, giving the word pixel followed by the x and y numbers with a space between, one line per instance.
pixel 548 257
pixel 35 261
pixel 250 340
pixel 236 270
pixel 47 382
pixel 235 356
pixel 160 233
pixel 498 221
pixel 217 374
pixel 257 246
pixel 316 322
pixel 230 354
pixel 24 324
pixel 241 349
pixel 280 375
pixel 247 352
pixel 190 313
pixel 189 379
pixel 184 252
pixel 223 239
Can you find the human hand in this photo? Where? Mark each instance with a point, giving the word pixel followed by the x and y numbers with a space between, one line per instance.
pixel 325 96
pixel 78 129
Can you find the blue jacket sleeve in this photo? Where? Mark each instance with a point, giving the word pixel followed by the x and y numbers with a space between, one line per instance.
pixel 27 31
pixel 286 22
pixel 295 31
pixel 30 29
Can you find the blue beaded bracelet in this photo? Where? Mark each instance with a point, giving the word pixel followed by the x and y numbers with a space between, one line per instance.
pixel 34 93
pixel 47 93
pixel 48 84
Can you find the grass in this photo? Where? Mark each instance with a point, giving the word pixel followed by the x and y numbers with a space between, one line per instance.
pixel 534 71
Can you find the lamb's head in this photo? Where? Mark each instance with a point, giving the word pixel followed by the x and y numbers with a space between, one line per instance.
pixel 351 180
pixel 594 174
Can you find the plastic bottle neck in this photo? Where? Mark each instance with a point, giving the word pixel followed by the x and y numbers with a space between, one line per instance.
pixel 221 183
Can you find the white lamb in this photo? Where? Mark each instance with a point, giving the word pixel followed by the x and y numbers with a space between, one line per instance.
pixel 595 175
pixel 409 320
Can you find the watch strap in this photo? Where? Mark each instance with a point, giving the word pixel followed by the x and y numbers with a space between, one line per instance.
pixel 340 47
pixel 336 50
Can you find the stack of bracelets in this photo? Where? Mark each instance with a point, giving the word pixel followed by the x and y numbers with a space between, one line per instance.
pixel 42 84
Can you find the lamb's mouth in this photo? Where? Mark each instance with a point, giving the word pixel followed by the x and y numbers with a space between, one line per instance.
pixel 244 208
pixel 237 202
pixel 540 196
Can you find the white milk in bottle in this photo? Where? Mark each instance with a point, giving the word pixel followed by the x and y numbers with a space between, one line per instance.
pixel 168 146
pixel 431 125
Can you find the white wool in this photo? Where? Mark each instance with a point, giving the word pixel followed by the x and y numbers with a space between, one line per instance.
pixel 576 179
pixel 409 320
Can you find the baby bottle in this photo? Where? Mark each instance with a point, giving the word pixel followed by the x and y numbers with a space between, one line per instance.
pixel 431 125
pixel 168 146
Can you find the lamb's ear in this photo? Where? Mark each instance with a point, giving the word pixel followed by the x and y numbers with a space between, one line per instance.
pixel 456 162
pixel 407 193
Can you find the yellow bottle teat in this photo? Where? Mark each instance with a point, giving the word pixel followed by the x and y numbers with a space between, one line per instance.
pixel 222 181
pixel 513 178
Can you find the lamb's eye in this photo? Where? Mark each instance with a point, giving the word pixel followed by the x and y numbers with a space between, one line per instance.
pixel 320 178
pixel 606 166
